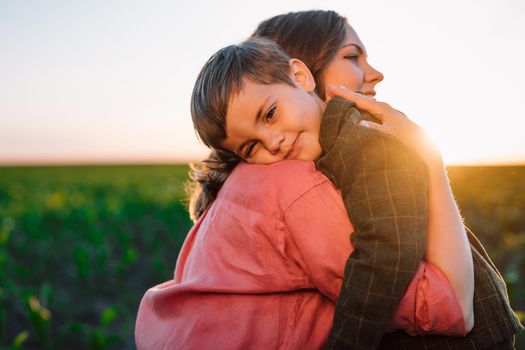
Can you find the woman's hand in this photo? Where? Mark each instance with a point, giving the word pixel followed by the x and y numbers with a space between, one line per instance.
pixel 394 123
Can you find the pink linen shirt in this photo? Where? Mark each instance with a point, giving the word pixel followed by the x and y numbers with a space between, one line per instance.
pixel 262 269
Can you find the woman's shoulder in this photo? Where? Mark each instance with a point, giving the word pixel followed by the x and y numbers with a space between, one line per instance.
pixel 290 175
pixel 278 183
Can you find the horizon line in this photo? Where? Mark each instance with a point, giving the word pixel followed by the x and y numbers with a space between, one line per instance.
pixel 160 162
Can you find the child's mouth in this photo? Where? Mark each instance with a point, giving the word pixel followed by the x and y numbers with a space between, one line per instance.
pixel 291 152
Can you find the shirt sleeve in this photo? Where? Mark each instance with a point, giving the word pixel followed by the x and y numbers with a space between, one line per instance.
pixel 319 228
pixel 436 309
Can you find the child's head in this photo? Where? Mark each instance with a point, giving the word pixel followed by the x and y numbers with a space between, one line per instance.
pixel 253 100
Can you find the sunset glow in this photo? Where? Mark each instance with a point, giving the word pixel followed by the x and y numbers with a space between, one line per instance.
pixel 111 82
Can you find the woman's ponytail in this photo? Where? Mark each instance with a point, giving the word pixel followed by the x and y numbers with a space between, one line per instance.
pixel 207 179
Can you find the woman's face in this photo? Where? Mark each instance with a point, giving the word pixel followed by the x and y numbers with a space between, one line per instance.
pixel 350 67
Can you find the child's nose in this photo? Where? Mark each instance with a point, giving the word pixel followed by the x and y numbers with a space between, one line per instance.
pixel 273 142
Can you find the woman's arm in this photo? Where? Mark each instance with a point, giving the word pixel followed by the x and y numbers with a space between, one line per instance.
pixel 318 225
pixel 448 246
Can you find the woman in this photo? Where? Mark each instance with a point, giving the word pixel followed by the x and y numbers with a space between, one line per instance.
pixel 336 57
pixel 162 305
pixel 263 265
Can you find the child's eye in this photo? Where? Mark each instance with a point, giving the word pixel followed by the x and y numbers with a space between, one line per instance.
pixel 270 114
pixel 249 150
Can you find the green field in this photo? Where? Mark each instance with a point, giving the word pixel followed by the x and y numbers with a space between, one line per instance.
pixel 80 245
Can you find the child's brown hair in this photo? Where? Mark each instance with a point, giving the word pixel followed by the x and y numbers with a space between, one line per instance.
pixel 257 59
pixel 311 36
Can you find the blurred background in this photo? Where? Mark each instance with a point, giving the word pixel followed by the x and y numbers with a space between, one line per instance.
pixel 96 137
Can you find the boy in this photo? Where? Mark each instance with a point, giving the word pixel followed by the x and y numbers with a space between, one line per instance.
pixel 263 117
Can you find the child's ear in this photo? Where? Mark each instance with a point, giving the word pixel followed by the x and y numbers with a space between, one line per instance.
pixel 302 75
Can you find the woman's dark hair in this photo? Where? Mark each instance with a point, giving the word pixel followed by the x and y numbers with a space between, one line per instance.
pixel 207 179
pixel 314 37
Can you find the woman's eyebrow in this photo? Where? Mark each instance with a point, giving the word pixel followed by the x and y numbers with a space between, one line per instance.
pixel 357 46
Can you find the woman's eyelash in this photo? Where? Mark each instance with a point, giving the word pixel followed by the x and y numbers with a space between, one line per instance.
pixel 352 57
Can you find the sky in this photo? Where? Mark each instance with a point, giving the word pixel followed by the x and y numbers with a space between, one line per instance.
pixel 110 81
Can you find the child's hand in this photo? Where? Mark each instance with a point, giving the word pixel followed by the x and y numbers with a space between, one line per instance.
pixel 394 122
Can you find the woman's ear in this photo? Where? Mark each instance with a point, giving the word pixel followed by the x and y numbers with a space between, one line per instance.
pixel 301 75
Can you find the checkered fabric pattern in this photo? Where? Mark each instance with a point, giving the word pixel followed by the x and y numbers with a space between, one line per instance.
pixel 384 186
pixel 494 321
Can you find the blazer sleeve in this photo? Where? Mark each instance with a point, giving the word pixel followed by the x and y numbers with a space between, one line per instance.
pixel 384 186
pixel 319 229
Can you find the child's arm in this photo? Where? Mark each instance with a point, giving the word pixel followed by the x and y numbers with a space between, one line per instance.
pixel 495 322
pixel 384 187
pixel 318 226
pixel 448 247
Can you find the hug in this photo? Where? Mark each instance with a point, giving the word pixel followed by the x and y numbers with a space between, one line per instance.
pixel 323 218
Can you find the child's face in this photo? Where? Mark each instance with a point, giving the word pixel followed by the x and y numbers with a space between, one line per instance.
pixel 269 123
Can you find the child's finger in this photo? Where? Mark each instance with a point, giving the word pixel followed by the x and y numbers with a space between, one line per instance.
pixel 365 103
pixel 402 132
pixel 370 125
pixel 380 110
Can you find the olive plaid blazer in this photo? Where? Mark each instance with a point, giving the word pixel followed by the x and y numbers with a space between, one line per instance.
pixel 384 186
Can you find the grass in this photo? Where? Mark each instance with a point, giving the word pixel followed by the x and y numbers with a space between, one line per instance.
pixel 80 245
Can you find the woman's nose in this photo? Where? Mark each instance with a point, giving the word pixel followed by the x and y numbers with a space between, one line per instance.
pixel 373 75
